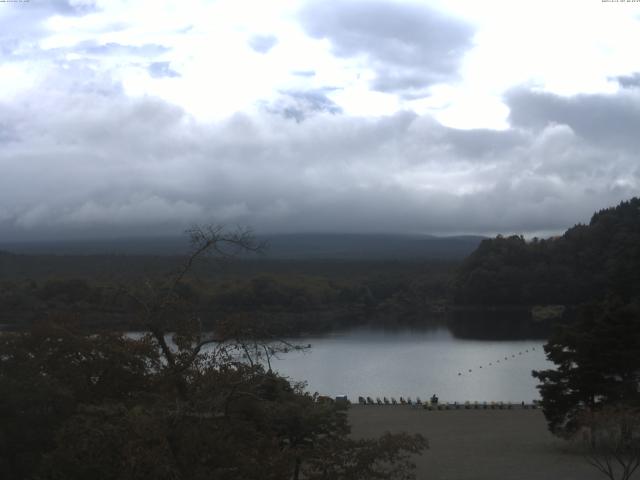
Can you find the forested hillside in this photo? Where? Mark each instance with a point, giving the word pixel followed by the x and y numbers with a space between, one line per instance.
pixel 305 295
pixel 585 264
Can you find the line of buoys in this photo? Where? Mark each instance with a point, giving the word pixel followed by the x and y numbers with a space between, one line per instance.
pixel 513 355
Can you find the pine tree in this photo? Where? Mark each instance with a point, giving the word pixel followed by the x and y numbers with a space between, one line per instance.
pixel 597 358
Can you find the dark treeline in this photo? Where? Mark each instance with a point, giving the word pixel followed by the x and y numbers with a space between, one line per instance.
pixel 588 280
pixel 296 295
pixel 586 263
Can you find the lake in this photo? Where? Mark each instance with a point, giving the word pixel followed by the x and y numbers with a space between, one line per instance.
pixel 416 362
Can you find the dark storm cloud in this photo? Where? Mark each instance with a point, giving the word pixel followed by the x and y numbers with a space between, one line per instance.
pixel 604 120
pixel 79 157
pixel 262 43
pixel 629 81
pixel 410 47
pixel 162 70
pixel 300 104
pixel 477 143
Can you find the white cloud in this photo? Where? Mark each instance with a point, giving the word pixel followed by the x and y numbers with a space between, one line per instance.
pixel 151 115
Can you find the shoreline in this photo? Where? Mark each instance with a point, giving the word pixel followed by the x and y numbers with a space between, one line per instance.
pixel 440 406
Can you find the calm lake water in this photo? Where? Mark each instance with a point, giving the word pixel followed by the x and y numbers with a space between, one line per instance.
pixel 407 362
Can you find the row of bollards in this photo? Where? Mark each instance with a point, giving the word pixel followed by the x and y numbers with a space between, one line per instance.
pixel 448 405
pixel 482 406
pixel 387 401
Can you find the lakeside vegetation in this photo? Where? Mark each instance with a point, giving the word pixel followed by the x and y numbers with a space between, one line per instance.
pixel 297 295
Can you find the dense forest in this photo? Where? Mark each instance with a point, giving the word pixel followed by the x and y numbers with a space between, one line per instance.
pixel 296 296
pixel 296 283
pixel 586 263
pixel 595 346
pixel 590 278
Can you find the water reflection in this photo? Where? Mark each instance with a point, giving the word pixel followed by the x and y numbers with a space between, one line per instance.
pixel 417 362
pixel 492 324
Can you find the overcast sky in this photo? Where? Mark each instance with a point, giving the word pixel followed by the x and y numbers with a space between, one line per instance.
pixel 445 116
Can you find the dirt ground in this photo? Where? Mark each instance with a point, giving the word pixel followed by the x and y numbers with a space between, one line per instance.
pixel 478 444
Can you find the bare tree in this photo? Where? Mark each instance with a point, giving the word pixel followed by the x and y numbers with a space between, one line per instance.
pixel 175 325
pixel 181 402
pixel 611 437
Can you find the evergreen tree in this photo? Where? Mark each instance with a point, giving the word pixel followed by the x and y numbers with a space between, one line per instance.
pixel 585 264
pixel 597 359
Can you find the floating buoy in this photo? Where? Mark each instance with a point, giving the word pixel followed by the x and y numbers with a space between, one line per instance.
pixel 459 373
pixel 480 366
pixel 469 369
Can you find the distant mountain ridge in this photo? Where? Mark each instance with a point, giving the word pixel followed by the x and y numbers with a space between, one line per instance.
pixel 368 246
pixel 283 246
